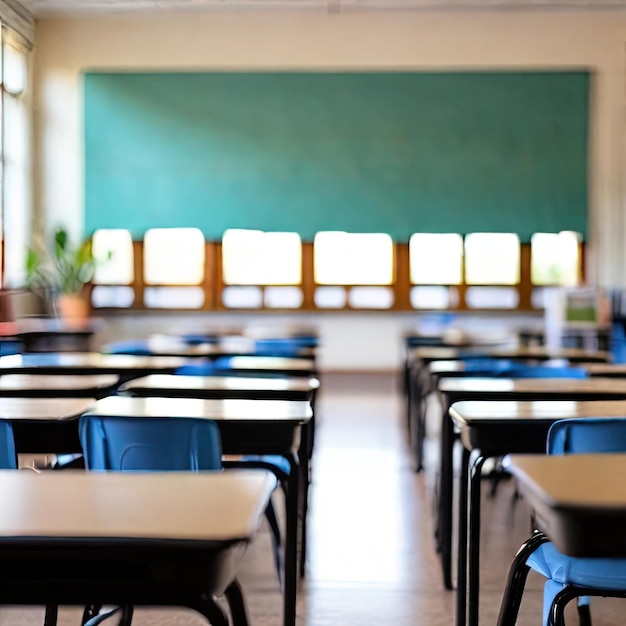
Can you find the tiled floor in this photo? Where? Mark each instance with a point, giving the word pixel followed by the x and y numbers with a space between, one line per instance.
pixel 371 557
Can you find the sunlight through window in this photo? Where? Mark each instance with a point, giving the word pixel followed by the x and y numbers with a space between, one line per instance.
pixel 353 258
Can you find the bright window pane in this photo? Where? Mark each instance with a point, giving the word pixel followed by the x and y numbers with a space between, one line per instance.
pixel 353 259
pixel 434 297
pixel 173 256
pixel 242 297
pixel 173 297
pixel 371 298
pixel 555 259
pixel 113 251
pixel 436 258
pixel 283 297
pixel 16 187
pixel 253 257
pixel 330 297
pixel 14 70
pixel 492 259
pixel 115 297
pixel 491 297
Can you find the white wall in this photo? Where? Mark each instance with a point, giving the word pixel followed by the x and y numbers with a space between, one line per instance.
pixel 349 341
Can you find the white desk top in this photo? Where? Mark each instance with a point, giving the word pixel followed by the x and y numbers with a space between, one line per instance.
pixel 211 506
pixel 217 383
pixel 88 361
pixel 243 410
pixel 43 382
pixel 531 385
pixel 44 408
pixel 483 411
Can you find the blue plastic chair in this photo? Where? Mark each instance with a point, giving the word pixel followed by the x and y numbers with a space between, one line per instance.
pixel 568 577
pixel 8 456
pixel 155 444
pixel 135 347
pixel 150 444
pixel 543 371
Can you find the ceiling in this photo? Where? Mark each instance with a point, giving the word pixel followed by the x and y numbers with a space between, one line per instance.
pixel 46 8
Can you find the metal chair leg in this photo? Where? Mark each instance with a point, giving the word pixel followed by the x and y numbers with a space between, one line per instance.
pixel 90 611
pixel 234 595
pixel 270 515
pixel 52 611
pixel 127 615
pixel 584 615
pixel 562 599
pixel 208 608
pixel 516 580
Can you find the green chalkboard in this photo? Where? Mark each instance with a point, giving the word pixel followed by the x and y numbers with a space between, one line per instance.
pixel 395 152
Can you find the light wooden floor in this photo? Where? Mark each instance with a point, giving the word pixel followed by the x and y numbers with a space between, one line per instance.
pixel 371 557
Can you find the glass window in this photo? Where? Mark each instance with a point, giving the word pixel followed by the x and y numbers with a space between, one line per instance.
pixel 173 297
pixel 491 297
pixel 242 297
pixel 254 257
pixel 14 69
pixel 353 258
pixel 492 259
pixel 283 297
pixel 16 159
pixel 330 297
pixel 436 258
pixel 434 297
pixel 173 256
pixel 371 297
pixel 113 251
pixel 120 297
pixel 555 259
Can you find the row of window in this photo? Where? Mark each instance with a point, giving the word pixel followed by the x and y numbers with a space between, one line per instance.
pixel 255 258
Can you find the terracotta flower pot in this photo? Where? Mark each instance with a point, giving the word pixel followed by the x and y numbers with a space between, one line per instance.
pixel 73 307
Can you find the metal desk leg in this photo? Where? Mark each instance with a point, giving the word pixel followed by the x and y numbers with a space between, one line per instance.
pixel 474 539
pixel 444 508
pixel 305 470
pixel 291 542
pixel 461 584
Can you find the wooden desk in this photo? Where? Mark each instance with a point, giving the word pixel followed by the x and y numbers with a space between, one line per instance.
pixel 221 387
pixel 273 365
pixel 45 425
pixel 525 353
pixel 490 389
pixel 149 539
pixel 124 365
pixel 57 385
pixel 246 427
pixel 579 500
pixel 175 346
pixel 421 362
pixel 493 429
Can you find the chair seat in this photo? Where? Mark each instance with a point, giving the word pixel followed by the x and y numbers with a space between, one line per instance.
pixel 592 573
pixel 280 462
pixel 135 347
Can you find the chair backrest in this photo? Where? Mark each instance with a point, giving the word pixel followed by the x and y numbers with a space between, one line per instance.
pixel 199 368
pixel 150 443
pixel 587 435
pixel 531 371
pixel 488 365
pixel 8 456
pixel 136 347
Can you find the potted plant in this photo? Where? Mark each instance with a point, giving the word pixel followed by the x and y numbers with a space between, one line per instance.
pixel 61 272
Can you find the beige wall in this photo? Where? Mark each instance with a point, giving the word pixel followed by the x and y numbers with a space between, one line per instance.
pixel 419 40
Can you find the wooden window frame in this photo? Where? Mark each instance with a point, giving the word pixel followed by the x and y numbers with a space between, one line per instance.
pixel 213 285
